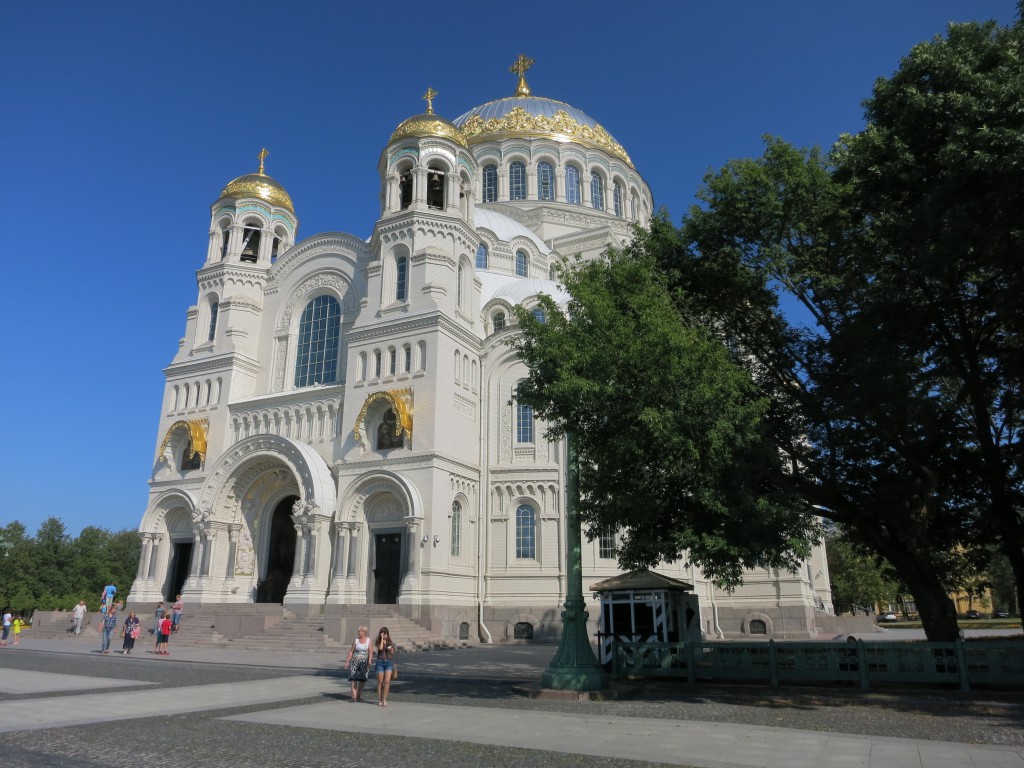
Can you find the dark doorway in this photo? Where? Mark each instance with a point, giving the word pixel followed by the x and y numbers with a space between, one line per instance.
pixel 181 560
pixel 280 554
pixel 387 572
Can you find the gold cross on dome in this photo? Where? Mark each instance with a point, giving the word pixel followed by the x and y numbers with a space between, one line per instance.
pixel 522 64
pixel 429 98
pixel 262 156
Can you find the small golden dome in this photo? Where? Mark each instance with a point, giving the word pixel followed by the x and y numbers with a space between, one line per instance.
pixel 429 124
pixel 259 185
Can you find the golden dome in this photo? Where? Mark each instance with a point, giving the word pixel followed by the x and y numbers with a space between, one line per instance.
pixel 429 124
pixel 259 185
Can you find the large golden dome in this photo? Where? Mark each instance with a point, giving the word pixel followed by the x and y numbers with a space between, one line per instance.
pixel 259 185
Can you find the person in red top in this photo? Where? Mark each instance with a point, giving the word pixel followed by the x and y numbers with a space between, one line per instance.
pixel 165 635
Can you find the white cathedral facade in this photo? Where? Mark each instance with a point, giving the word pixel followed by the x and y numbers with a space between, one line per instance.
pixel 339 426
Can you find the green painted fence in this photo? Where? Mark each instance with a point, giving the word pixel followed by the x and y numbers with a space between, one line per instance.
pixel 958 663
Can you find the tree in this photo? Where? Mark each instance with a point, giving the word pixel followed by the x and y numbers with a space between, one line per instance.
pixel 859 577
pixel 669 429
pixel 898 401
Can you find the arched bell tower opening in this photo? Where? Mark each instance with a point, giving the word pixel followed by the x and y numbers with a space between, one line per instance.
pixel 280 554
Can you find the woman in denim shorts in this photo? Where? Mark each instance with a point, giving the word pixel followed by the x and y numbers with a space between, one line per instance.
pixel 385 652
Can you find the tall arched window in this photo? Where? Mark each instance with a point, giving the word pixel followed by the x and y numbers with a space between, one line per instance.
pixel 407 365
pixel 572 185
pixel 225 238
pixel 617 198
pixel 250 243
pixel 545 181
pixel 517 181
pixel 214 309
pixel 632 207
pixel 526 533
pixel 316 360
pixel 401 278
pixel 481 256
pixel 456 533
pixel 490 191
pixel 460 289
pixel 596 191
pixel 498 321
pixel 522 264
pixel 405 190
pixel 524 423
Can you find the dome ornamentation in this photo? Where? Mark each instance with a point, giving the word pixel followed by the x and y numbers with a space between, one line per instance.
pixel 429 125
pixel 518 121
pixel 259 185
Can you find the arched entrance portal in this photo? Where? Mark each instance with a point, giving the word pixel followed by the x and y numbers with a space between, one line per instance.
pixel 280 554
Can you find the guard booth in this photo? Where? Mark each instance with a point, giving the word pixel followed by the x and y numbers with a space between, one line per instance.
pixel 645 607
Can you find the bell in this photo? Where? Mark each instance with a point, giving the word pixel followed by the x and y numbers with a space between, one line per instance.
pixel 435 181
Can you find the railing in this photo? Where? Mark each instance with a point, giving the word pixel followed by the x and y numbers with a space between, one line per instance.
pixel 957 663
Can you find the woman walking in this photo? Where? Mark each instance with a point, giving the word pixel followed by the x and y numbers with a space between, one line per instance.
pixel 384 649
pixel 358 662
pixel 130 632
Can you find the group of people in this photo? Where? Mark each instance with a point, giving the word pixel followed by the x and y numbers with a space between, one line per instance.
pixel 380 654
pixel 131 629
pixel 11 624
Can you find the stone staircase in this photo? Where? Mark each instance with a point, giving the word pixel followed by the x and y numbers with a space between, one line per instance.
pixel 262 627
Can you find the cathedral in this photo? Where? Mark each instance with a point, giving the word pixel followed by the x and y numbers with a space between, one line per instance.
pixel 339 426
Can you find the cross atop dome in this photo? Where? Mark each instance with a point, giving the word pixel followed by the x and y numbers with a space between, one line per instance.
pixel 262 156
pixel 523 63
pixel 429 98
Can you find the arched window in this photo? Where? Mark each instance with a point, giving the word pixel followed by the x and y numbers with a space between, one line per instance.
pixel 517 181
pixel 524 423
pixel 460 289
pixel 572 185
pixel 405 190
pixel 617 198
pixel 758 627
pixel 538 315
pixel 632 207
pixel 225 238
pixel 401 278
pixel 422 355
pixel 361 373
pixel 596 191
pixel 552 272
pixel 498 321
pixel 250 243
pixel 376 363
pixel 214 309
pixel 316 359
pixel 407 366
pixel 526 533
pixel 456 533
pixel 522 264
pixel 435 189
pixel 490 184
pixel 545 181
pixel 392 361
pixel 481 256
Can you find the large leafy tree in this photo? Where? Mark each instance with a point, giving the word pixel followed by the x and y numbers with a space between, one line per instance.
pixel 898 394
pixel 669 429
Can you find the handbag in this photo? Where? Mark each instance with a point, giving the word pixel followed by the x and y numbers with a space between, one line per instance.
pixel 394 672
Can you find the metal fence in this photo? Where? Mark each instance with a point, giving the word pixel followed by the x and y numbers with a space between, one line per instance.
pixel 958 663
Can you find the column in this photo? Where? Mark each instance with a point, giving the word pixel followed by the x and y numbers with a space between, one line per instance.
pixel 340 545
pixel 154 555
pixel 353 551
pixel 147 547
pixel 197 554
pixel 312 532
pixel 233 532
pixel 300 554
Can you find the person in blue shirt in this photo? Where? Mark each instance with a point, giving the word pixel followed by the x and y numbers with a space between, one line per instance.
pixel 109 625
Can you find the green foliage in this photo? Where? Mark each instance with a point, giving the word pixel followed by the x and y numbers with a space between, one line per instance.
pixel 858 576
pixel 897 397
pixel 54 570
pixel 668 428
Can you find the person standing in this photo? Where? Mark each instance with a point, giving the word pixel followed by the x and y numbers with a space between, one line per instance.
pixel 109 625
pixel 77 615
pixel 17 625
pixel 160 613
pixel 164 636
pixel 176 611
pixel 130 632
pixel 107 598
pixel 384 650
pixel 7 625
pixel 358 662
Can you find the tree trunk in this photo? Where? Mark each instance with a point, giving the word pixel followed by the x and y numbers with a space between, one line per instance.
pixel 937 611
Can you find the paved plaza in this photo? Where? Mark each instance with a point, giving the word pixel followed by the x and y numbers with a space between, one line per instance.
pixel 61 703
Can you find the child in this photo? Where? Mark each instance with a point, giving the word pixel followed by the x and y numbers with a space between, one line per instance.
pixel 165 635
pixel 17 624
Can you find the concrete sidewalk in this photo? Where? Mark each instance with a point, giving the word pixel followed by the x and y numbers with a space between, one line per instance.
pixel 657 739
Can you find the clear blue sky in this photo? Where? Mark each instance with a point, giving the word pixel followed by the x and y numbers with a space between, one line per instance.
pixel 120 122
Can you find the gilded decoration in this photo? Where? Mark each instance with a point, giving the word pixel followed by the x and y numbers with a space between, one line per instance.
pixel 259 185
pixel 197 436
pixel 429 125
pixel 400 400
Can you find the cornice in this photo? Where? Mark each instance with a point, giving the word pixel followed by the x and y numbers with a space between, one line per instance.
pixel 231 360
pixel 326 395
pixel 338 243
pixel 433 321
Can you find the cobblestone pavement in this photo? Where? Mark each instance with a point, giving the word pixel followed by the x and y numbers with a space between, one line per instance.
pixel 206 739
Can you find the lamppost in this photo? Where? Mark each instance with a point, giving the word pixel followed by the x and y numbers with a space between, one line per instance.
pixel 574 667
